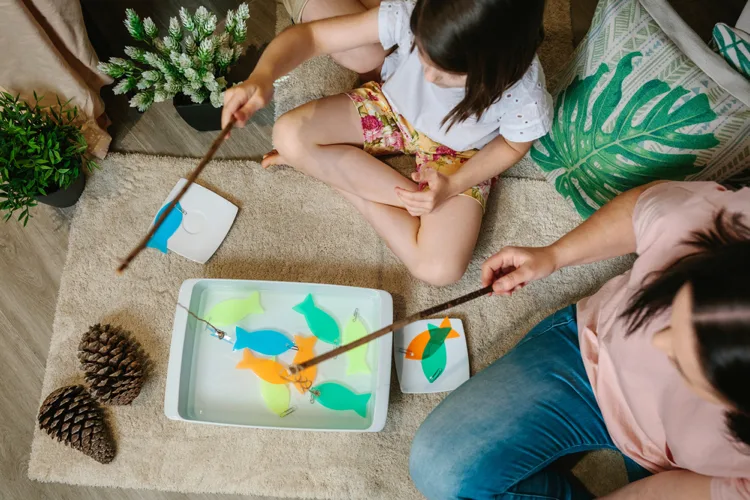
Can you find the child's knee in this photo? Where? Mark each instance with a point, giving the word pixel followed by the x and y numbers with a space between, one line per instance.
pixel 288 136
pixel 438 272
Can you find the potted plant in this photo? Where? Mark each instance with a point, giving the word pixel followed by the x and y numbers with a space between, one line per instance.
pixel 42 155
pixel 189 65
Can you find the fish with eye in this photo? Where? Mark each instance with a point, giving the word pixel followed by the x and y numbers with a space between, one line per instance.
pixel 335 396
pixel 268 342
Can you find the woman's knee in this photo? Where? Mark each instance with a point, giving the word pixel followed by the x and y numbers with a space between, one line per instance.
pixel 288 135
pixel 433 466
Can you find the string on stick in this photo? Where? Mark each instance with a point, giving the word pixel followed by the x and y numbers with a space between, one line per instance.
pixel 190 180
pixel 294 369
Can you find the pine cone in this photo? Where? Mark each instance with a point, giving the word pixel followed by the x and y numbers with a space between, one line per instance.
pixel 71 415
pixel 113 363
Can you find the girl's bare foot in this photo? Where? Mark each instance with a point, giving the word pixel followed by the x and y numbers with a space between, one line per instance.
pixel 273 158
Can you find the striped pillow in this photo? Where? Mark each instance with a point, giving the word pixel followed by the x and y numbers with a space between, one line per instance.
pixel 734 46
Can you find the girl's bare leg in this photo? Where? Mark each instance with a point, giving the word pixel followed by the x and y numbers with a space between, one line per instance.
pixel 437 247
pixel 323 139
pixel 364 60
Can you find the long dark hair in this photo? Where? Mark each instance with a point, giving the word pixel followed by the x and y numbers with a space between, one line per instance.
pixel 719 275
pixel 492 41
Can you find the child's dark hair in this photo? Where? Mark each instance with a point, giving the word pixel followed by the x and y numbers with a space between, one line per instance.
pixel 492 41
pixel 719 275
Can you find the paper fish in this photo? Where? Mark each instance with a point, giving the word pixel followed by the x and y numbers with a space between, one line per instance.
pixel 167 229
pixel 268 342
pixel 305 351
pixel 229 312
pixel 337 397
pixel 434 366
pixel 276 397
pixel 426 343
pixel 269 370
pixel 354 330
pixel 320 322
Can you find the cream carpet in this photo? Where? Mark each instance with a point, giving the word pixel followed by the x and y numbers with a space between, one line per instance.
pixel 289 228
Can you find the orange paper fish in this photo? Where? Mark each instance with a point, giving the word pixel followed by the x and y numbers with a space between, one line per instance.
pixel 269 370
pixel 305 352
pixel 419 343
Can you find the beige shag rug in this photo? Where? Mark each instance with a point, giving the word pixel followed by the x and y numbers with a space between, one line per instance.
pixel 289 228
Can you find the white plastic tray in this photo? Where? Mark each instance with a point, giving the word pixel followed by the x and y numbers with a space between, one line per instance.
pixel 203 385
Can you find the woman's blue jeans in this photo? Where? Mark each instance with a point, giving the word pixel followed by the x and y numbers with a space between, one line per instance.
pixel 497 435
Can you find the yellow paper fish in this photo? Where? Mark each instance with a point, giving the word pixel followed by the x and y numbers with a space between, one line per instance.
pixel 269 370
pixel 276 397
pixel 305 352
pixel 229 312
pixel 357 357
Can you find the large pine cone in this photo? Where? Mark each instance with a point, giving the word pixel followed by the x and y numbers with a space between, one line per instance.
pixel 71 415
pixel 113 363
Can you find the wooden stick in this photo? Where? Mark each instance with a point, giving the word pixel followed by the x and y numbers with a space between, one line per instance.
pixel 294 369
pixel 190 180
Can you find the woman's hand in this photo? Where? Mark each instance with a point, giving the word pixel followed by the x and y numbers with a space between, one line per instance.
pixel 512 268
pixel 419 203
pixel 244 100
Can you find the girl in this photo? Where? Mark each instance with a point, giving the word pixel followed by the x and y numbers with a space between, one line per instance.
pixel 463 91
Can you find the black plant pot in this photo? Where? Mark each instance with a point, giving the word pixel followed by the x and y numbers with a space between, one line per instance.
pixel 201 117
pixel 65 197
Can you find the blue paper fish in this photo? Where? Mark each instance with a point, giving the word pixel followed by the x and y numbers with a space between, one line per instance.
pixel 167 229
pixel 268 342
pixel 321 324
pixel 337 397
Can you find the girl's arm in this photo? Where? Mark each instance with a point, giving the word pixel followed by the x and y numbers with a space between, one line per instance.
pixel 607 233
pixel 291 48
pixel 493 159
pixel 675 484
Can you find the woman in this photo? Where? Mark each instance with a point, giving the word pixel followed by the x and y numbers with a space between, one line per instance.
pixel 655 364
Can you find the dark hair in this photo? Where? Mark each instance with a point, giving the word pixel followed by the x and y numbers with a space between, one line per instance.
pixel 492 41
pixel 719 275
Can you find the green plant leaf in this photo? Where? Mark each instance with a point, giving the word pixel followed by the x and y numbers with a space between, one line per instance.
pixel 594 164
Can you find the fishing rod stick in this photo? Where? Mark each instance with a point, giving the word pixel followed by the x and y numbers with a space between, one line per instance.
pixel 294 369
pixel 190 180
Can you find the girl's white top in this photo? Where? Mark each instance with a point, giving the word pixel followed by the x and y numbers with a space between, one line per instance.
pixel 522 114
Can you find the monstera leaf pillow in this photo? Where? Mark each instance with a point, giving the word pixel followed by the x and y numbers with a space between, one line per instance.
pixel 643 99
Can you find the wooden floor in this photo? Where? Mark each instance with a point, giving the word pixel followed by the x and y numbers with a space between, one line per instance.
pixel 32 258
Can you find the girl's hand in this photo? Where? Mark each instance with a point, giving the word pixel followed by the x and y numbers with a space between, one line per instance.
pixel 244 100
pixel 512 268
pixel 423 202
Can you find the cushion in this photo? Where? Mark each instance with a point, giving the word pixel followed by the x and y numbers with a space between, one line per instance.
pixel 642 99
pixel 734 46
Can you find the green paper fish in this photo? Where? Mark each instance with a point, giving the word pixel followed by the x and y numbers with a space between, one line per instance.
pixel 434 366
pixel 229 312
pixel 354 330
pixel 337 397
pixel 321 324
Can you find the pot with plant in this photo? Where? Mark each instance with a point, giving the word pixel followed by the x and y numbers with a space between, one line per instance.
pixel 42 155
pixel 189 65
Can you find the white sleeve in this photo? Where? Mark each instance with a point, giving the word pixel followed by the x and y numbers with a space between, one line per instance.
pixel 526 108
pixel 393 22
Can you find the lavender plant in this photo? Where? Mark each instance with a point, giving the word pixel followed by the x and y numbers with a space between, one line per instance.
pixel 192 58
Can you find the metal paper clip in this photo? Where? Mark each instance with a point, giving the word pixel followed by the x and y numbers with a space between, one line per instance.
pixel 404 351
pixel 436 375
pixel 288 411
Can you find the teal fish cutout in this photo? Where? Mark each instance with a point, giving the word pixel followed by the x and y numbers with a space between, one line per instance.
pixel 268 342
pixel 229 312
pixel 434 366
pixel 321 324
pixel 170 225
pixel 354 330
pixel 337 397
pixel 437 339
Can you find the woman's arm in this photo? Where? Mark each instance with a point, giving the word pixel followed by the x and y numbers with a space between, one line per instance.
pixel 675 484
pixel 291 48
pixel 607 233
pixel 493 159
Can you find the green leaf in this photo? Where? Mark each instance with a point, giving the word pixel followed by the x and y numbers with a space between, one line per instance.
pixel 593 165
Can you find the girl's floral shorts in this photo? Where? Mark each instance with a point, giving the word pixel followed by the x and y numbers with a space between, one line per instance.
pixel 386 132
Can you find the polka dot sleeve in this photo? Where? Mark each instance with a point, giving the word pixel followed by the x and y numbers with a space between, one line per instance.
pixel 527 115
pixel 393 22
